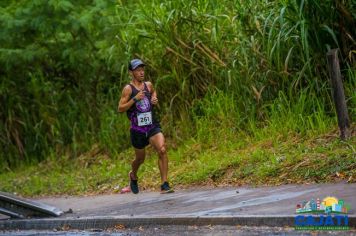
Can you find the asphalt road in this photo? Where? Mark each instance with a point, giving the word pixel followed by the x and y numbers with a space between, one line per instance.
pixel 279 200
pixel 215 211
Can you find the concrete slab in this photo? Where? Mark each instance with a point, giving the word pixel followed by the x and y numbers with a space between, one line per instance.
pixel 18 207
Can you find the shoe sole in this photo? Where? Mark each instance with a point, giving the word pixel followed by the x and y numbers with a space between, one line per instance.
pixel 168 191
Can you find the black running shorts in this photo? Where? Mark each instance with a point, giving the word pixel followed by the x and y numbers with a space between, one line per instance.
pixel 141 140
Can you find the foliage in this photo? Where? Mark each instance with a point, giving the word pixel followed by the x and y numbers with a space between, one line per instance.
pixel 53 78
pixel 235 160
pixel 63 65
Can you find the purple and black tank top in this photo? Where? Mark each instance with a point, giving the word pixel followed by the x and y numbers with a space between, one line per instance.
pixel 141 113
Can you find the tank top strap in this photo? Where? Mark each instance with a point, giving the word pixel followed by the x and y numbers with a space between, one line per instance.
pixel 146 87
pixel 133 88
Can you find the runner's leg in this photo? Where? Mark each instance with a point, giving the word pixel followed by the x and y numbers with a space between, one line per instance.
pixel 158 142
pixel 139 159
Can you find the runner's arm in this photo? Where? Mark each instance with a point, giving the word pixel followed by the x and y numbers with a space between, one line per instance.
pixel 125 102
pixel 153 92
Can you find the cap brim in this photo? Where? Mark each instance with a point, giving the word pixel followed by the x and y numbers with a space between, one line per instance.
pixel 137 66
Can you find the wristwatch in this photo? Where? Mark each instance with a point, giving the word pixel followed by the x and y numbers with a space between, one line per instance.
pixel 135 99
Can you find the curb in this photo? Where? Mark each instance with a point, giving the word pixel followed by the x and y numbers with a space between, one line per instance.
pixel 133 221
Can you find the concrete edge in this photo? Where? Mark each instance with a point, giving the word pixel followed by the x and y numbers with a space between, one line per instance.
pixel 10 202
pixel 134 221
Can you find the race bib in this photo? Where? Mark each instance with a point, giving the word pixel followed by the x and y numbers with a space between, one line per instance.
pixel 144 119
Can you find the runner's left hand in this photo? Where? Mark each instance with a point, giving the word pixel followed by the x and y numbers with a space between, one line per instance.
pixel 154 100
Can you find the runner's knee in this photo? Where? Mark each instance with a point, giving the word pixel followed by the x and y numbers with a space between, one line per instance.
pixel 162 150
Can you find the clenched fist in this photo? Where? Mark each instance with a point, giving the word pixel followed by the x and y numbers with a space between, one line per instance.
pixel 154 100
pixel 140 95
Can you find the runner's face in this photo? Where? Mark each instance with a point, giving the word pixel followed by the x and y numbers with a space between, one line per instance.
pixel 139 73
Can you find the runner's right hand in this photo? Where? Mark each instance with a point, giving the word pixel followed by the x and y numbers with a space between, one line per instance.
pixel 140 95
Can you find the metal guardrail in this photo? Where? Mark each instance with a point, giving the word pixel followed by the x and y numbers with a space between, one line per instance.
pixel 17 207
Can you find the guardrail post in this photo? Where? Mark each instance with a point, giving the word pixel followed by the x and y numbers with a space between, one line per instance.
pixel 338 94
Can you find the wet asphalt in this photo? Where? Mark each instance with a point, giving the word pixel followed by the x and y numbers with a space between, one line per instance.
pixel 231 201
pixel 181 211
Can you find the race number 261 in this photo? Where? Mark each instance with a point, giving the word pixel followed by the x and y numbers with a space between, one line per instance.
pixel 144 118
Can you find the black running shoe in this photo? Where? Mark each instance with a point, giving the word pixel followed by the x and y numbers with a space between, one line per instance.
pixel 133 184
pixel 165 188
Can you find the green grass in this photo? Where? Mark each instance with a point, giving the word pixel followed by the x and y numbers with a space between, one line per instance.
pixel 295 142
pixel 64 67
pixel 239 160
pixel 243 88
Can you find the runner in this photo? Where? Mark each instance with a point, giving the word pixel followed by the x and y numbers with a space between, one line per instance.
pixel 137 99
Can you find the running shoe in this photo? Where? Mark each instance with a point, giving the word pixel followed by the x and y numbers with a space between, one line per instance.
pixel 165 188
pixel 133 184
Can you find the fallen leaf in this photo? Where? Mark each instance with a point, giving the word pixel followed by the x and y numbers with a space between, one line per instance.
pixel 119 226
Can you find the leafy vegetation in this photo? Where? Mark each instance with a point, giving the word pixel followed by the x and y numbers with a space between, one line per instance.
pixel 236 160
pixel 227 72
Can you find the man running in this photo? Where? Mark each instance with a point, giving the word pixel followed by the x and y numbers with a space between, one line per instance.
pixel 137 99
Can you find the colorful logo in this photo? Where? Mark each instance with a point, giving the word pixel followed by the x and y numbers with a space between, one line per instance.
pixel 328 214
pixel 143 105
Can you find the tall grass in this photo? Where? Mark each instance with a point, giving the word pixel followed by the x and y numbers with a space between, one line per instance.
pixel 220 68
pixel 217 117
